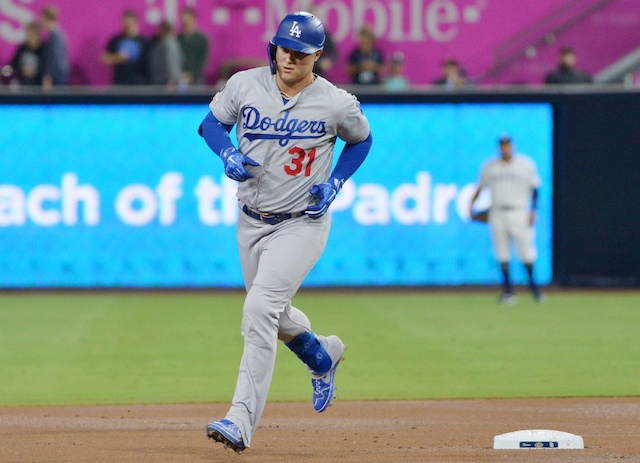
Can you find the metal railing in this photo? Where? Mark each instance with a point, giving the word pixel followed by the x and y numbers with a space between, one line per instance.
pixel 543 32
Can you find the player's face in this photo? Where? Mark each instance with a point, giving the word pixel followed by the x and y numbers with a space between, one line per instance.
pixel 293 66
pixel 506 150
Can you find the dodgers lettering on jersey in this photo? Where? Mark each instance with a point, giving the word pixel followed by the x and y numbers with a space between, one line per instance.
pixel 293 142
pixel 282 129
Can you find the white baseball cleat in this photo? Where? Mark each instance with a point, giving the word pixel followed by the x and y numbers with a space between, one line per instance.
pixel 540 298
pixel 508 299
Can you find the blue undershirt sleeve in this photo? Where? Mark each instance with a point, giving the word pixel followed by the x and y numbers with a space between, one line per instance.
pixel 215 133
pixel 534 199
pixel 351 158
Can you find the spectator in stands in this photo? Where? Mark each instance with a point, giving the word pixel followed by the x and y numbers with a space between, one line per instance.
pixel 125 53
pixel 567 73
pixel 55 69
pixel 366 61
pixel 453 75
pixel 330 53
pixel 396 81
pixel 27 62
pixel 195 48
pixel 165 59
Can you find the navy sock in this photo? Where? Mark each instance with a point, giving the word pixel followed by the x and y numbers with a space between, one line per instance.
pixel 532 282
pixel 506 280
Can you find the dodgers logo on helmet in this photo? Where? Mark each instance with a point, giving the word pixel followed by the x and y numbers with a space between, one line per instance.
pixel 295 29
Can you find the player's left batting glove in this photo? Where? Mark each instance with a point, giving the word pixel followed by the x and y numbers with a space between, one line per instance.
pixel 234 162
pixel 323 195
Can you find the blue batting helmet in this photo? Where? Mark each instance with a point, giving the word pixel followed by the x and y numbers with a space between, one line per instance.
pixel 299 31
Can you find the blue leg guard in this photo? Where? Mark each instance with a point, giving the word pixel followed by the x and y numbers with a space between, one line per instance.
pixel 311 351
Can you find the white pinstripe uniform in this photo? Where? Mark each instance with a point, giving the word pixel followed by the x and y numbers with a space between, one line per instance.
pixel 511 184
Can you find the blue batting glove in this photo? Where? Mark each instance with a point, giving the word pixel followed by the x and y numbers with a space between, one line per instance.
pixel 234 162
pixel 323 195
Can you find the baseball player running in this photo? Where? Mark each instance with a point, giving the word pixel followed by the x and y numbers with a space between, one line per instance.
pixel 513 181
pixel 287 120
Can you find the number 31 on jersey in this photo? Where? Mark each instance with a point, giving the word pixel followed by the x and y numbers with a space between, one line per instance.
pixel 300 160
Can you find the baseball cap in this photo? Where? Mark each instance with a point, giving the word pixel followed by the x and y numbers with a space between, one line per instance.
pixel 504 138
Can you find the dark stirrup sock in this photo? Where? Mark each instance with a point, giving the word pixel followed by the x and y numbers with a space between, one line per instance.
pixel 506 280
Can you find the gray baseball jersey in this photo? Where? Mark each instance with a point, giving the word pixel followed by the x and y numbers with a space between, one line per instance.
pixel 292 142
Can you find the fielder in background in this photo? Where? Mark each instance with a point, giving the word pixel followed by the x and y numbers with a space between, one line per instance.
pixel 513 181
pixel 287 120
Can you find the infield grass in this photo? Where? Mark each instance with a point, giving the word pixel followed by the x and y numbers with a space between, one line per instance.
pixel 106 348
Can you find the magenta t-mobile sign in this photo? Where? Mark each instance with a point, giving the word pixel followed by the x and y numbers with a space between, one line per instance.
pixel 426 32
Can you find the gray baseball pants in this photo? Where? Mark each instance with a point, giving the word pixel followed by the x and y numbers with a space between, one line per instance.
pixel 275 261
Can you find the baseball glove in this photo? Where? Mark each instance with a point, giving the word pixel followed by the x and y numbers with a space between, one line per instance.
pixel 480 216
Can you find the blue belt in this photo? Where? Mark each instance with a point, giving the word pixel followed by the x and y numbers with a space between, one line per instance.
pixel 271 219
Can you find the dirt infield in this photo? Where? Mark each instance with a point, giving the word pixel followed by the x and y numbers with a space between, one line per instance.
pixel 349 432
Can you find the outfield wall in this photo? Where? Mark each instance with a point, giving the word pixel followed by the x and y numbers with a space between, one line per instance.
pixel 117 190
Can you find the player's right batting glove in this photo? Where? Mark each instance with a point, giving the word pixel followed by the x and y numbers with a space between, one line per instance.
pixel 234 162
pixel 323 195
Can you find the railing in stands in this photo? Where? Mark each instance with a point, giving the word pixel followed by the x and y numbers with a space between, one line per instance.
pixel 540 33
